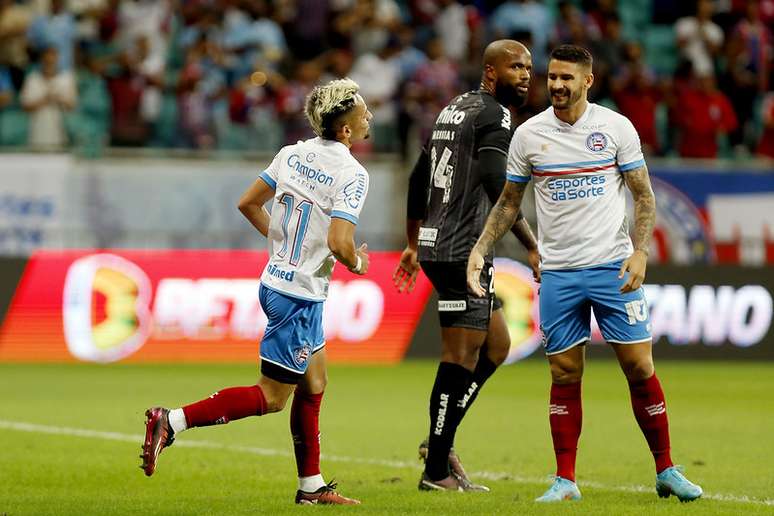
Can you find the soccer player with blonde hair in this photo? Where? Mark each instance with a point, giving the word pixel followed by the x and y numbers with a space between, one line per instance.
pixel 318 189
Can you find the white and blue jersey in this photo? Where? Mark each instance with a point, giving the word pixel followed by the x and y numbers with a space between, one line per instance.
pixel 314 181
pixel 583 234
pixel 579 188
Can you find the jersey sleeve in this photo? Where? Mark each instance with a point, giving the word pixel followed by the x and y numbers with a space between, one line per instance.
pixel 493 129
pixel 518 169
pixel 351 195
pixel 271 174
pixel 629 153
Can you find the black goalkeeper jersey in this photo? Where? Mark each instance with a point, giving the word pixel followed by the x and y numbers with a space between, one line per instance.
pixel 457 205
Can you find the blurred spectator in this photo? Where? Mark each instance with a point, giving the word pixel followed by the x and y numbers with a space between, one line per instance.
pixel 433 85
pixel 253 38
pixel 338 64
pixel 451 25
pixel 202 83
pixel 376 19
pixel 608 54
pixel 525 15
pixel 291 99
pixel 47 94
pixel 408 58
pixel 149 18
pixel 766 143
pixel 704 113
pixel 599 11
pixel 6 87
pixel 14 21
pixel 379 79
pixel 149 71
pixel 637 95
pixel 748 65
pixel 699 38
pixel 57 29
pixel 570 19
pixel 91 120
pixel 306 27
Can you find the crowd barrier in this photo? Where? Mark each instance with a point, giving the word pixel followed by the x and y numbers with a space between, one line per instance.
pixel 705 214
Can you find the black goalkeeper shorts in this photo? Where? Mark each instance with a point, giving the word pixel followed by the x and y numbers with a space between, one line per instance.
pixel 458 308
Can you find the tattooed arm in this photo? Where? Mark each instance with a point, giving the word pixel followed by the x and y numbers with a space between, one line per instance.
pixel 638 182
pixel 499 222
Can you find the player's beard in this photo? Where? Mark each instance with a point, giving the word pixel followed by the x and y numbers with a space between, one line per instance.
pixel 567 101
pixel 509 95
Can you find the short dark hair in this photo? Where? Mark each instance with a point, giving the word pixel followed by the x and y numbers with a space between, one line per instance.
pixel 573 54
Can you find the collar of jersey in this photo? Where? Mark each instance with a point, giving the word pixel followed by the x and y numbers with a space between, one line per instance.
pixel 331 143
pixel 586 114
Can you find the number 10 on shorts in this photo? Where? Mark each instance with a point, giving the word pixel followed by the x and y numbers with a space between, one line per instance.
pixel 637 311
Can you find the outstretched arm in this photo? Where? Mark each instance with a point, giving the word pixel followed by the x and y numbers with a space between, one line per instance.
pixel 500 220
pixel 638 182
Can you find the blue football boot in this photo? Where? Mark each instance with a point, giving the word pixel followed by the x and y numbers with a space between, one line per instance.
pixel 561 489
pixel 671 481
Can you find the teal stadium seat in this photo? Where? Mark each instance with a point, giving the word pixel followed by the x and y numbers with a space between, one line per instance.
pixel 660 47
pixel 13 126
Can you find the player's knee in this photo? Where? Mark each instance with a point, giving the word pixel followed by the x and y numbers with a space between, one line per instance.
pixel 636 370
pixel 566 372
pixel 497 355
pixel 316 385
pixel 276 403
pixel 466 356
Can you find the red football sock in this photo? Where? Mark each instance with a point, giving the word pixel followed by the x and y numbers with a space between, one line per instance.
pixel 305 429
pixel 226 405
pixel 566 418
pixel 650 410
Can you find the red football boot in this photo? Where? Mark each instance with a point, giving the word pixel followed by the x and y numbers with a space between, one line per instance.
pixel 158 435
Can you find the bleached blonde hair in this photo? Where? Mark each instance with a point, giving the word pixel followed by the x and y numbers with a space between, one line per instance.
pixel 328 102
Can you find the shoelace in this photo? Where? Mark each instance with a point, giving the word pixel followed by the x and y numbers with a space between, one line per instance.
pixel 330 487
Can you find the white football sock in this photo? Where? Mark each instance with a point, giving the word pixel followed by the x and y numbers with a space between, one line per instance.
pixel 177 420
pixel 310 484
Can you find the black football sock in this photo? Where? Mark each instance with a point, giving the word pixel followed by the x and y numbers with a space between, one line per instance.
pixel 451 381
pixel 484 369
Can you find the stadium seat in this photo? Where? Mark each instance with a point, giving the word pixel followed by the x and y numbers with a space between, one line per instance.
pixel 661 48
pixel 13 126
pixel 165 131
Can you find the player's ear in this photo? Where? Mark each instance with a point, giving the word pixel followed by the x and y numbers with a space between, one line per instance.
pixel 589 79
pixel 490 73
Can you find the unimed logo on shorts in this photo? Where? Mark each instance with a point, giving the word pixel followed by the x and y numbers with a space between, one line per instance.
pixel 105 308
pixel 518 292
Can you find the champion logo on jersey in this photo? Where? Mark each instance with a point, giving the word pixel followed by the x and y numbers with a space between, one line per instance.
pixel 596 142
pixel 557 410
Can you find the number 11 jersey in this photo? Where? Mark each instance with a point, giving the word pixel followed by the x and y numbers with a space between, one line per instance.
pixel 314 180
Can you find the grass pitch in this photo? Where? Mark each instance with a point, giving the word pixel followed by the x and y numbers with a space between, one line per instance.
pixel 71 438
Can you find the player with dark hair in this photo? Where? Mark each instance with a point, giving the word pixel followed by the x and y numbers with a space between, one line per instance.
pixel 458 177
pixel 318 189
pixel 581 156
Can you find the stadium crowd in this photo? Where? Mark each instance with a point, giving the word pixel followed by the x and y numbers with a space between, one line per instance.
pixel 694 77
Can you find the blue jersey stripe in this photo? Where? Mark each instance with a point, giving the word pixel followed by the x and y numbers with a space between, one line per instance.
pixel 513 178
pixel 632 165
pixel 269 181
pixel 574 165
pixel 344 215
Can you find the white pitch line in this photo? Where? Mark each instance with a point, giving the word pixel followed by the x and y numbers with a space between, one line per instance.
pixel 490 475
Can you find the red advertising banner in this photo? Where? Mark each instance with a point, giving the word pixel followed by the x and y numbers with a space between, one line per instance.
pixel 190 306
